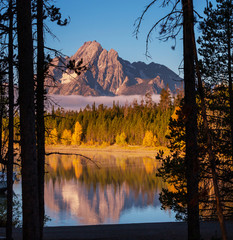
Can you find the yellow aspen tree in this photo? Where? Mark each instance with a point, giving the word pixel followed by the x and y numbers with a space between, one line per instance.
pixel 148 140
pixel 54 136
pixel 154 140
pixel 121 139
pixel 76 137
pixel 66 137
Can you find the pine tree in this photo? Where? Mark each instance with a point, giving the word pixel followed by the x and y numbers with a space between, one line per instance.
pixel 216 50
pixel 31 226
pixel 171 24
pixel 10 161
pixel 165 99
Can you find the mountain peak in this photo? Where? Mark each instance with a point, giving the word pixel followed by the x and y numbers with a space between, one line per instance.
pixel 113 52
pixel 88 51
pixel 108 74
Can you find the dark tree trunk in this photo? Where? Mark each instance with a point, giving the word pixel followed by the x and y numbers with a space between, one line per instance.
pixel 27 122
pixel 40 112
pixel 10 127
pixel 218 198
pixel 190 111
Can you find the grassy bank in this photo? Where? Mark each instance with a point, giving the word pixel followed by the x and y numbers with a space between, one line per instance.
pixel 111 148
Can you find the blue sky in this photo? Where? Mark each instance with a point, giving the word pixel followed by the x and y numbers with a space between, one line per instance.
pixel 111 23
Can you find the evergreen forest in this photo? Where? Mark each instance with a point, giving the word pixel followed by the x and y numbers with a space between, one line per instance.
pixel 144 123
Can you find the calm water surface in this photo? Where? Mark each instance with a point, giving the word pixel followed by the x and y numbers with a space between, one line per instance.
pixel 122 189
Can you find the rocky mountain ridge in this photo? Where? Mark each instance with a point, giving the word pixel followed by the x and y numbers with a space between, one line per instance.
pixel 107 75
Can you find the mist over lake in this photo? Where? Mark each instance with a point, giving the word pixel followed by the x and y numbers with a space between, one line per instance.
pixel 75 102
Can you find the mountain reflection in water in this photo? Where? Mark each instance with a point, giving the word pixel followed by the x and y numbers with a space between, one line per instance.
pixel 78 192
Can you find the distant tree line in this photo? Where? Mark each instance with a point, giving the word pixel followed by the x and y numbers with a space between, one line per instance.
pixel 139 123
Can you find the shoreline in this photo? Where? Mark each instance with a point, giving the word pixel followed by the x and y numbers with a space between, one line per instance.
pixel 113 149
pixel 140 231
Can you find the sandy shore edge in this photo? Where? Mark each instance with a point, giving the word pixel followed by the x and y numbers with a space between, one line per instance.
pixel 128 150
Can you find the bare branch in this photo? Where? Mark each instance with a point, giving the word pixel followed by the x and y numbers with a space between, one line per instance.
pixel 197 14
pixel 74 154
pixel 50 32
pixel 156 24
pixel 139 20
pixel 170 23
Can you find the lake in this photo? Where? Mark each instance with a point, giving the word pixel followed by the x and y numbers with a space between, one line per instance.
pixel 122 188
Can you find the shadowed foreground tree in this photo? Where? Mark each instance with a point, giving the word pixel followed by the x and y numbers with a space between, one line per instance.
pixel 31 224
pixel 3 76
pixel 216 69
pixel 190 112
pixel 40 125
pixel 32 179
pixel 213 142
pixel 7 62
pixel 10 160
pixel 43 10
pixel 171 24
pixel 216 50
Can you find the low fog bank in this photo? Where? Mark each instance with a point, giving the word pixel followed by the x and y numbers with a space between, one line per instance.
pixel 75 102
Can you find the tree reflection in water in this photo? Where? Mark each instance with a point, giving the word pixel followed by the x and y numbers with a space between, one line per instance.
pixel 78 190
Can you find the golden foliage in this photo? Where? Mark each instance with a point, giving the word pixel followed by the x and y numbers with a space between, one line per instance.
pixel 121 139
pixel 78 168
pixel 4 137
pixel 149 164
pixel 66 162
pixel 175 114
pixel 76 137
pixel 105 144
pixel 66 137
pixel 52 138
pixel 149 140
pixel 52 162
pixel 121 162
